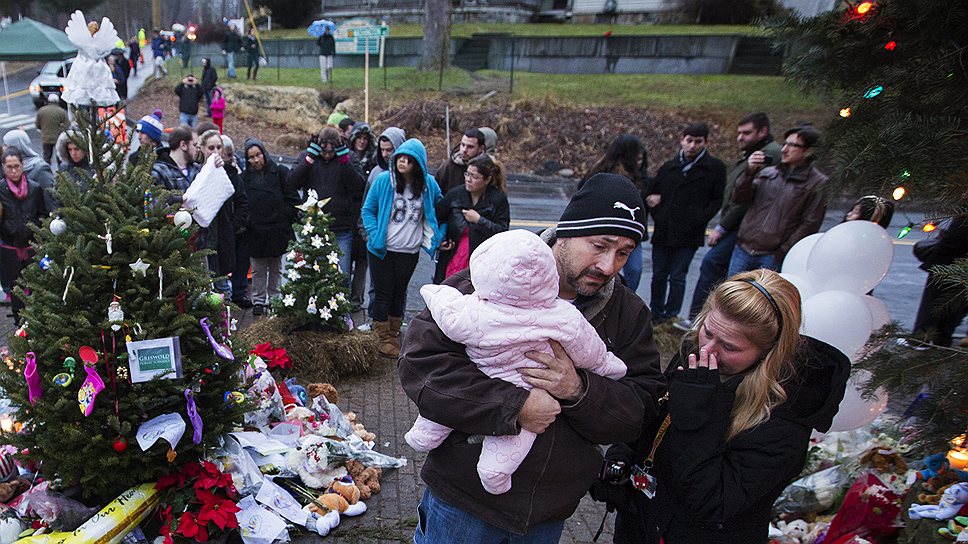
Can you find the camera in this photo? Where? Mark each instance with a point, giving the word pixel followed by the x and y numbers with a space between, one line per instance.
pixel 615 472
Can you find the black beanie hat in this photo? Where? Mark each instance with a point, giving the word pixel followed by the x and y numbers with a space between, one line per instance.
pixel 605 204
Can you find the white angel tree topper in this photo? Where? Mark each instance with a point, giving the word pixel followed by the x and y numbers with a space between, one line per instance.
pixel 90 78
pixel 317 293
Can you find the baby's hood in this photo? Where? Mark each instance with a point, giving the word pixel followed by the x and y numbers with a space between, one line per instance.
pixel 515 268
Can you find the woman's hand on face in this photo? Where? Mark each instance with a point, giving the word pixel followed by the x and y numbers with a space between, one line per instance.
pixel 218 161
pixel 702 369
pixel 471 216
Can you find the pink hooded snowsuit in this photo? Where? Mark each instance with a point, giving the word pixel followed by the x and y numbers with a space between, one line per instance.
pixel 514 309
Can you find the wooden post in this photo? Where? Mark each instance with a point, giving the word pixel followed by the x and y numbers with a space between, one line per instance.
pixel 366 80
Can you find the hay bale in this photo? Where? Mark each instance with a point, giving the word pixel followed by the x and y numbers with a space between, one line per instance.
pixel 317 356
pixel 349 107
pixel 295 107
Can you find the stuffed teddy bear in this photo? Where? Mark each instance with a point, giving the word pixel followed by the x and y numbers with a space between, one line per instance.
pixel 347 489
pixel 793 531
pixel 932 498
pixel 323 389
pixel 884 460
pixel 358 428
pixel 952 500
pixel 367 479
pixel 937 472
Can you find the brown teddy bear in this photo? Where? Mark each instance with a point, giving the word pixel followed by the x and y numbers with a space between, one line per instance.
pixel 884 460
pixel 358 428
pixel 324 389
pixel 367 479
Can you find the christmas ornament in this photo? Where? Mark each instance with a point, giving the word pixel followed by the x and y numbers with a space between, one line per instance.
pixel 333 258
pixel 183 220
pixel 193 416
pixel 107 238
pixel 874 91
pixel 221 350
pixel 63 379
pixel 311 308
pixel 148 201
pixel 307 229
pixel 317 242
pixel 898 192
pixel 891 45
pixel 170 427
pixel 234 396
pixel 845 113
pixel 89 390
pixel 325 314
pixel 312 198
pixel 140 266
pixel 45 262
pixel 115 314
pixel 289 299
pixel 120 444
pixel 294 274
pixel 58 226
pixel 161 283
pixel 33 378
pixel 69 274
pixel 22 331
pixel 122 372
pixel 70 363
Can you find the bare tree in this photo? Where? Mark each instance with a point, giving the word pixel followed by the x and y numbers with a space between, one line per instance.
pixel 436 39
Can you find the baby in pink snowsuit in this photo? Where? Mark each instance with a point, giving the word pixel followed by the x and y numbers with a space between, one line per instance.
pixel 514 309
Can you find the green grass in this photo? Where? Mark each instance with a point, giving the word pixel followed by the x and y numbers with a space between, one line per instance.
pixel 463 30
pixel 673 92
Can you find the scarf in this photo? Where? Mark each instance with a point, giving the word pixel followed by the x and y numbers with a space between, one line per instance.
pixel 686 166
pixel 19 188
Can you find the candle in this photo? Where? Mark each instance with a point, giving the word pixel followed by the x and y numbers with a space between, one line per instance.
pixel 958 459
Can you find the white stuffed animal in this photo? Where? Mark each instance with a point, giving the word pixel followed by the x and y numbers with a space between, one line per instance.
pixel 10 529
pixel 795 530
pixel 951 502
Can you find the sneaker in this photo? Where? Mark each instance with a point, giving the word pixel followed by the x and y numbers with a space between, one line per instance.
pixel 684 325
pixel 258 310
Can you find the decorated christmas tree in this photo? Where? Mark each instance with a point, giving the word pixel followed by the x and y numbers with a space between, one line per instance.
pixel 123 345
pixel 895 74
pixel 315 294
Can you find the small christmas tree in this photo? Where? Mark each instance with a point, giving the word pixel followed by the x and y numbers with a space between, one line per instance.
pixel 895 74
pixel 315 294
pixel 112 270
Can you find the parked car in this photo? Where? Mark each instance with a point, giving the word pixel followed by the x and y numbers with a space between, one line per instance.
pixel 50 79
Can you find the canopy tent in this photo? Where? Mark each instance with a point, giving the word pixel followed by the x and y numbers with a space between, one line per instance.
pixel 30 40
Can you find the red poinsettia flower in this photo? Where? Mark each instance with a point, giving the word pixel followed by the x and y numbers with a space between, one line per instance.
pixel 274 357
pixel 175 479
pixel 217 481
pixel 192 470
pixel 217 510
pixel 189 527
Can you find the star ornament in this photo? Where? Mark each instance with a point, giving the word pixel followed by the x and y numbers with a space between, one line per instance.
pixel 307 229
pixel 294 274
pixel 333 258
pixel 140 266
pixel 316 241
pixel 289 300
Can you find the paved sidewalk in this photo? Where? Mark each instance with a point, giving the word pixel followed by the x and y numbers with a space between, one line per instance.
pixel 385 410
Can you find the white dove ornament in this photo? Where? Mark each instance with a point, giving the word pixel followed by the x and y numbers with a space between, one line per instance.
pixel 90 78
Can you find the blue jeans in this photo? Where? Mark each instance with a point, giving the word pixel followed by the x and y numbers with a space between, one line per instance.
pixel 187 118
pixel 441 523
pixel 712 271
pixel 230 62
pixel 344 239
pixel 741 261
pixel 669 268
pixel 632 271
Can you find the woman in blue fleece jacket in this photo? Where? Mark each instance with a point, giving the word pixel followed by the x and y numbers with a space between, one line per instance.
pixel 399 219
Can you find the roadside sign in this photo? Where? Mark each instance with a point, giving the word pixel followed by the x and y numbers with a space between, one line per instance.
pixel 368 31
pixel 359 36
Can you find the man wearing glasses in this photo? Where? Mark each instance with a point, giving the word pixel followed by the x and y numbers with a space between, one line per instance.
pixel 786 204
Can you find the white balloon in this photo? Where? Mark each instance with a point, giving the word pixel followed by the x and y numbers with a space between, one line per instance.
pixel 880 315
pixel 839 318
pixel 853 256
pixel 795 261
pixel 855 412
pixel 58 226
pixel 801 282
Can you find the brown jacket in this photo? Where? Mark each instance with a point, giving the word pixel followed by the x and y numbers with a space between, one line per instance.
pixel 450 173
pixel 786 207
pixel 565 460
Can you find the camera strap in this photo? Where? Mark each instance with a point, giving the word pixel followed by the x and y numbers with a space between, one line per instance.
pixel 641 479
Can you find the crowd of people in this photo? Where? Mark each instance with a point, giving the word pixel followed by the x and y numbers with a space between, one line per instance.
pixel 701 446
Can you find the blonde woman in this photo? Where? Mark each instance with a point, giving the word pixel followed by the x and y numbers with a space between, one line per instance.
pixel 745 393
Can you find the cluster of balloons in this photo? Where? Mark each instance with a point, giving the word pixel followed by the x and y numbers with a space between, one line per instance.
pixel 834 271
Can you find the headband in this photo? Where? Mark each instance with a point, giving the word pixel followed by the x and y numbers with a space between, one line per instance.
pixel 776 307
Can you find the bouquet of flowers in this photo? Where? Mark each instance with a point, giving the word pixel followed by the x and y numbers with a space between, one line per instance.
pixel 275 358
pixel 199 503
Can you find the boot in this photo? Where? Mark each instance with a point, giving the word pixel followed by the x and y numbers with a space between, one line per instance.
pixel 391 346
pixel 387 342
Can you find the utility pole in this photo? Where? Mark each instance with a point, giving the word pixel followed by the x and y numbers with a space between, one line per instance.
pixel 155 13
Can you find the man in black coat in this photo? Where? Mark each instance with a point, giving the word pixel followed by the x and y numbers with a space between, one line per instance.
pixel 683 197
pixel 327 50
pixel 189 93
pixel 943 306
